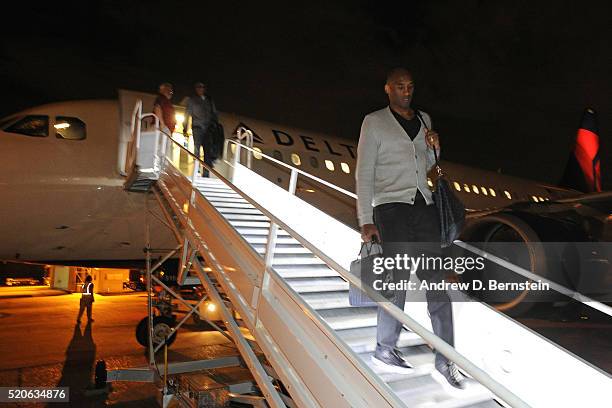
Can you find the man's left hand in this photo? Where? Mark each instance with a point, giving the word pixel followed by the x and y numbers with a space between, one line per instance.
pixel 432 139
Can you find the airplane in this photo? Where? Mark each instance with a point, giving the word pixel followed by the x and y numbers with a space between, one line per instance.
pixel 61 180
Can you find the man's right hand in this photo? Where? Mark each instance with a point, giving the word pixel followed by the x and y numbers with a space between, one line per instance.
pixel 368 231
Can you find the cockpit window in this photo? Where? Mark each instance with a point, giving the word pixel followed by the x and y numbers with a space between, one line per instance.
pixel 70 128
pixel 4 122
pixel 31 125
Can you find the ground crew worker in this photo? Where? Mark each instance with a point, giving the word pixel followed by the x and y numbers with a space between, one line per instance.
pixel 87 299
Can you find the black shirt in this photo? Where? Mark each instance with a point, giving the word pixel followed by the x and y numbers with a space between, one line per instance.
pixel 411 127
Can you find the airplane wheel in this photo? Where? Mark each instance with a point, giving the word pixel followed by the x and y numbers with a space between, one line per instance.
pixel 162 326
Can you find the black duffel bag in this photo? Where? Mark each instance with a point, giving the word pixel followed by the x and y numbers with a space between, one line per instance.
pixel 450 209
pixel 217 137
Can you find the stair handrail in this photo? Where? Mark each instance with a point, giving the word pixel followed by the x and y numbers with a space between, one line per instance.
pixel 291 168
pixel 440 345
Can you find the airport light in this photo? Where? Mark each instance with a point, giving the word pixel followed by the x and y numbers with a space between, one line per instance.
pixel 211 307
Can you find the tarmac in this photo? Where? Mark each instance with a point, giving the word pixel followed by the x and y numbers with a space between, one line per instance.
pixel 44 347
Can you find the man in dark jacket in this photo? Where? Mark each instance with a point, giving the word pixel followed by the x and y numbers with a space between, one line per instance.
pixel 203 113
pixel 87 299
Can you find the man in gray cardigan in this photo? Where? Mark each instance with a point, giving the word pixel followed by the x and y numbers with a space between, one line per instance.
pixel 395 205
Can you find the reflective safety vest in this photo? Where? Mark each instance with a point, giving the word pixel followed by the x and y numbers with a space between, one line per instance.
pixel 87 289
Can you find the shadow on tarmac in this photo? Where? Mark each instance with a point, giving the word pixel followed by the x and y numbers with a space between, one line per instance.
pixel 79 364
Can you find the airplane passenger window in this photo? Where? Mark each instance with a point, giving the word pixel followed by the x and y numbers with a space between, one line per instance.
pixel 295 159
pixel 484 190
pixel 345 168
pixel 508 195
pixel 457 186
pixel 257 153
pixel 314 162
pixel 429 182
pixel 474 188
pixel 69 128
pixel 277 155
pixel 492 192
pixel 466 188
pixel 329 164
pixel 31 125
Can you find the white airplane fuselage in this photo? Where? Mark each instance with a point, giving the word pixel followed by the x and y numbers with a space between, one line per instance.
pixel 63 200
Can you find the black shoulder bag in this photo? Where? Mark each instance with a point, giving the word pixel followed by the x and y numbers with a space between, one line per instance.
pixel 450 208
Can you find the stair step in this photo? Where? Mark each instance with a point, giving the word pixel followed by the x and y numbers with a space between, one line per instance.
pixel 212 186
pixel 349 318
pixel 246 217
pixel 281 240
pixel 289 271
pixel 327 300
pixel 286 249
pixel 296 260
pixel 420 357
pixel 251 224
pixel 222 195
pixel 225 200
pixel 209 181
pixel 363 339
pixel 215 190
pixel 249 231
pixel 489 402
pixel 468 399
pixel 237 206
pixel 317 284
pixel 231 210
pixel 422 388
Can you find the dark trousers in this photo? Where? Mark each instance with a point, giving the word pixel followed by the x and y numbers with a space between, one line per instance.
pixel 413 229
pixel 86 302
pixel 202 140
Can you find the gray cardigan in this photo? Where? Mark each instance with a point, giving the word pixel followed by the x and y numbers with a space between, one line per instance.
pixel 390 166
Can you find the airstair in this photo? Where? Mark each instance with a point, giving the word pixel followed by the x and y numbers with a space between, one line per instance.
pixel 283 265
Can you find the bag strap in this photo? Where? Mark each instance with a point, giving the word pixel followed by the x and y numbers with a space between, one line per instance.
pixel 418 114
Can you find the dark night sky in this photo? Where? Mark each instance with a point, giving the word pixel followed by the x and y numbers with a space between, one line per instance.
pixel 505 81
